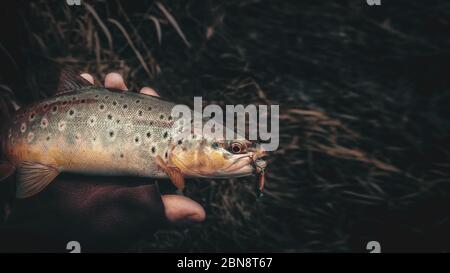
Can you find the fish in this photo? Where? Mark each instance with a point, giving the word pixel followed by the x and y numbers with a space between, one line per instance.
pixel 92 130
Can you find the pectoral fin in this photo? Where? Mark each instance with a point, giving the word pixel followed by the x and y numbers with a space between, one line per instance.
pixel 173 172
pixel 33 177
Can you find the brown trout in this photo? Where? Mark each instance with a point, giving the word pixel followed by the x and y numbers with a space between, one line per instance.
pixel 92 130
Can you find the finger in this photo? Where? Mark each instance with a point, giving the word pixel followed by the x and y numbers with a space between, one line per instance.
pixel 179 209
pixel 88 77
pixel 115 80
pixel 148 91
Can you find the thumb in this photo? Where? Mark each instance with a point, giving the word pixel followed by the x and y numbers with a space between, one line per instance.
pixel 180 209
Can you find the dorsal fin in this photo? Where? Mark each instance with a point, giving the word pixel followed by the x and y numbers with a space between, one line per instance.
pixel 70 81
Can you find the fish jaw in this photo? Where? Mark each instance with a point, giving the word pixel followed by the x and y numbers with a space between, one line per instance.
pixel 245 165
pixel 215 164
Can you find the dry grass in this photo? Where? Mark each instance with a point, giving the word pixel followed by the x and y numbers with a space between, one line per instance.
pixel 358 138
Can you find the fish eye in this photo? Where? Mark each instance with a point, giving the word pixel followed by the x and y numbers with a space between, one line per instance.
pixel 237 148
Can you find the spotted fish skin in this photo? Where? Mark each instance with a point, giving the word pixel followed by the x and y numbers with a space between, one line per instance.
pixel 93 131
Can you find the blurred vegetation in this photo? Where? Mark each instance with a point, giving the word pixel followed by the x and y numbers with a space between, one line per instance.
pixel 363 93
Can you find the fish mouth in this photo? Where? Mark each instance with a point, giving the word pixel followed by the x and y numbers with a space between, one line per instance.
pixel 246 164
pixel 250 164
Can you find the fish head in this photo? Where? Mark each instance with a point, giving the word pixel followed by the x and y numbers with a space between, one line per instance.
pixel 218 158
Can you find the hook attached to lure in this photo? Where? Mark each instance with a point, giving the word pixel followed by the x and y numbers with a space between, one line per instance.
pixel 261 171
pixel 261 181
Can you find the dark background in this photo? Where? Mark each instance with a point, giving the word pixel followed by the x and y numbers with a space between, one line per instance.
pixel 364 95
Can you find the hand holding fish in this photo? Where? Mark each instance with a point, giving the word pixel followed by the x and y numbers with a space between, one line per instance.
pixel 177 208
pixel 105 131
pixel 101 212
